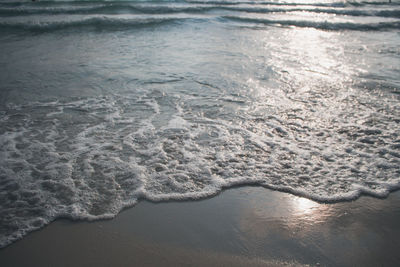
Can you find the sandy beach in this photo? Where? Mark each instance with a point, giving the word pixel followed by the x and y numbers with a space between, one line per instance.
pixel 246 226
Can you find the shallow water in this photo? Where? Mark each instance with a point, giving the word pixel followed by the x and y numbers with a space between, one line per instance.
pixel 106 103
pixel 244 226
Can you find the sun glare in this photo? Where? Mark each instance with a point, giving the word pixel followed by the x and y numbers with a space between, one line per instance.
pixel 304 206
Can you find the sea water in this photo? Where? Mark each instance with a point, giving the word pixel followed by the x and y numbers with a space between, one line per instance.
pixel 105 103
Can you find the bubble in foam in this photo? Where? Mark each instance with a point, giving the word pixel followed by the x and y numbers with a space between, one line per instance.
pixel 121 149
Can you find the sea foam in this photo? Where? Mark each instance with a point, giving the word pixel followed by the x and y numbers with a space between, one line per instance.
pixel 110 159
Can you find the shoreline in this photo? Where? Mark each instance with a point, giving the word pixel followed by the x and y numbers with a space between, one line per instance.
pixel 240 226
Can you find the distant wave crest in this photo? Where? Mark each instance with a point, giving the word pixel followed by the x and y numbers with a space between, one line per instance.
pixel 324 25
pixel 105 8
pixel 102 23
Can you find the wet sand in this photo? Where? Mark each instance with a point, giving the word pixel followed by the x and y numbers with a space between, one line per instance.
pixel 246 226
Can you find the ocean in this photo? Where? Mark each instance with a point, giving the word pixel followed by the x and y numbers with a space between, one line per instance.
pixel 106 103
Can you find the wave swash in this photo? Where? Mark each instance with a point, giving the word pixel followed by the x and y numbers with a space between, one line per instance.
pixel 107 103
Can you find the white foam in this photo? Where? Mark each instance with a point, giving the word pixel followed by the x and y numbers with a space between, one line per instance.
pixel 99 167
pixel 177 123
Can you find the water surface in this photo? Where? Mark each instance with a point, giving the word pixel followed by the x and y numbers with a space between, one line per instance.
pixel 104 103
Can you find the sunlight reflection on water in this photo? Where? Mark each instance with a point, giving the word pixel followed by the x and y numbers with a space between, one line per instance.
pixel 304 206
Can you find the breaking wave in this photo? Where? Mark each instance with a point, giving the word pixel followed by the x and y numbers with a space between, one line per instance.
pixel 99 8
pixel 90 158
pixel 324 25
pixel 100 23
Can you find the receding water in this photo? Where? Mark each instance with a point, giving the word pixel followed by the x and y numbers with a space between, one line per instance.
pixel 106 103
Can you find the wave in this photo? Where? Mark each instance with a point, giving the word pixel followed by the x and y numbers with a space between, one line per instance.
pixel 132 9
pixel 135 8
pixel 39 3
pixel 204 2
pixel 348 12
pixel 105 9
pixel 329 4
pixel 323 25
pixel 102 23
pixel 119 23
pixel 61 173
